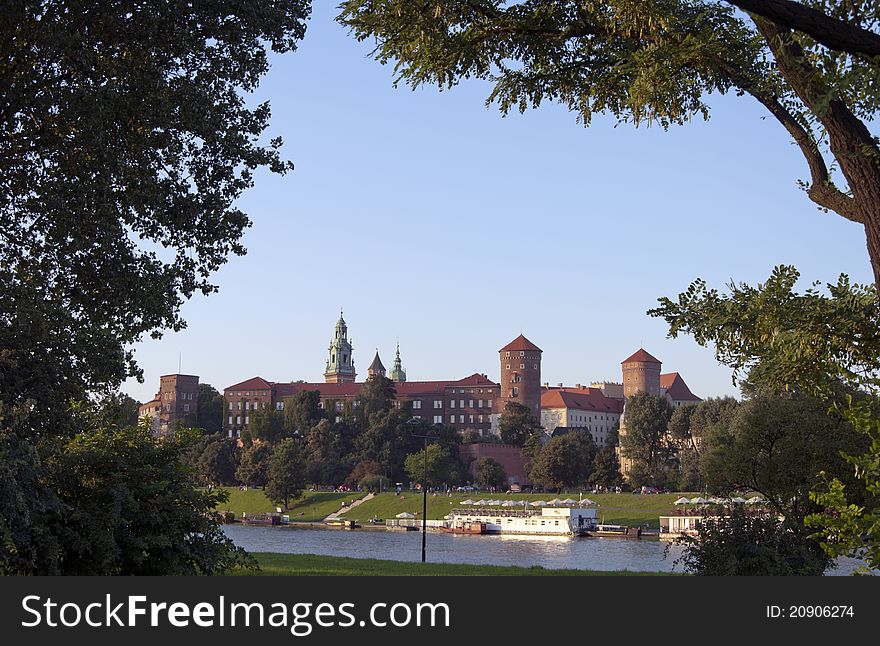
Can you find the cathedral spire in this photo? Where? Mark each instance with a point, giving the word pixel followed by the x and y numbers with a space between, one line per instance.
pixel 397 372
pixel 340 364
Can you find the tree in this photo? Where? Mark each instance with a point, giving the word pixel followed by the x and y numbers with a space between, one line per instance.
pixel 565 461
pixel 253 467
pixel 777 445
pixel 645 443
pixel 606 469
pixel 517 424
pixel 442 467
pixel 127 506
pixel 302 411
pixel 286 473
pixel 656 62
pixel 266 425
pixel 218 463
pixel 377 395
pixel 823 344
pixel 323 462
pixel 126 139
pixel 490 473
pixel 751 545
pixel 209 407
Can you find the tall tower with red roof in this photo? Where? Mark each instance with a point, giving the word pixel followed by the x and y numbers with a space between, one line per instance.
pixel 521 375
pixel 641 373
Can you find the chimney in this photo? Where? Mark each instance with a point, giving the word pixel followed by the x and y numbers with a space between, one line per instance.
pixel 559 384
pixel 578 386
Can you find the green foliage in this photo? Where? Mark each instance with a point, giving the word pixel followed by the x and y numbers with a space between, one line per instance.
pixel 377 395
pixel 127 139
pixel 302 411
pixel 606 468
pixel 218 462
pixel 286 472
pixel 645 443
pixel 490 473
pixel 127 506
pixel 845 527
pixel 777 446
pixel 253 466
pixel 266 425
pixel 751 545
pixel 565 461
pixel 442 467
pixel 517 424
pixel 323 462
pixel 210 409
pixel 776 336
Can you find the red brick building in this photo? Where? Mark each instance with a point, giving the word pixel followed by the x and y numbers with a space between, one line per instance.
pixel 521 374
pixel 177 399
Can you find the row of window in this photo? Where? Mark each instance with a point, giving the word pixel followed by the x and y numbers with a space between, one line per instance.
pixel 183 396
pixel 522 366
pixel 247 420
pixel 250 405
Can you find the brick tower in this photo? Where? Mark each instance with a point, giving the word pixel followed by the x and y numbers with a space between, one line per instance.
pixel 521 375
pixel 641 373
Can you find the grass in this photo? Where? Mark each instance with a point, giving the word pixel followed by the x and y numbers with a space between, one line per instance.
pixel 313 565
pixel 313 506
pixel 618 509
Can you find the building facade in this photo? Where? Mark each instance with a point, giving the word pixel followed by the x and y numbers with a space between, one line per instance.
pixel 521 374
pixel 176 400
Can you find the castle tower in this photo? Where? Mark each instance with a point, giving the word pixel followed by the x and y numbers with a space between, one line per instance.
pixel 521 375
pixel 340 365
pixel 398 374
pixel 641 373
pixel 376 368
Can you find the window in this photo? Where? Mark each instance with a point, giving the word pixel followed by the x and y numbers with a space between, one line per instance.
pixel 338 406
pixel 279 406
pixel 451 403
pixel 417 417
pixel 536 366
pixel 522 366
pixel 230 405
pixel 507 366
pixel 417 403
pixel 489 404
pixel 230 420
pixel 461 403
pixel 438 403
pixel 470 403
pixel 186 408
pixel 480 419
pixel 238 419
pixel 452 419
pixel 515 391
pixel 239 405
pixel 321 405
pixel 438 419
pixel 471 419
pixel 461 419
pixel 247 420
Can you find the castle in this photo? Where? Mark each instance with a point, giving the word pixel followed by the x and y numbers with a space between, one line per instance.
pixel 472 403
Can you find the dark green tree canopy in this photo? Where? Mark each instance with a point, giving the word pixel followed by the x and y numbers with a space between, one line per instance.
pixel 286 472
pixel 517 424
pixel 565 461
pixel 125 140
pixel 656 61
pixel 490 473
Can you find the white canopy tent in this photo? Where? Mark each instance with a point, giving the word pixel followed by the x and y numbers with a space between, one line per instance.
pixel 682 501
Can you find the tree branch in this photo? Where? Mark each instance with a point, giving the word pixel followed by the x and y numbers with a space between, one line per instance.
pixel 833 33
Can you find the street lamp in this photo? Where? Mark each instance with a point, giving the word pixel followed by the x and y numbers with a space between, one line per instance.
pixel 415 422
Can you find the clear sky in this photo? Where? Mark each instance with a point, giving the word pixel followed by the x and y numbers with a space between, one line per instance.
pixel 433 220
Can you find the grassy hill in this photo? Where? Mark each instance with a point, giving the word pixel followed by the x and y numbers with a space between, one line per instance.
pixel 312 507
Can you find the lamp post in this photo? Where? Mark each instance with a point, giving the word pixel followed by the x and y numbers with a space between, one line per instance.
pixel 415 422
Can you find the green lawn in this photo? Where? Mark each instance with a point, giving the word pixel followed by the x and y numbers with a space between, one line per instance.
pixel 312 507
pixel 620 508
pixel 310 564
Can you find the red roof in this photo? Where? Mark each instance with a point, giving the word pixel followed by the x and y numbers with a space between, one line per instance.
pixel 254 383
pixel 590 399
pixel 352 389
pixel 676 388
pixel 641 357
pixel 520 343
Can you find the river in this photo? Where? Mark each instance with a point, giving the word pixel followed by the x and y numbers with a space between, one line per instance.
pixel 551 552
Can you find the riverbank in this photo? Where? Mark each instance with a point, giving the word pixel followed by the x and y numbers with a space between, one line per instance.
pixel 273 564
pixel 314 506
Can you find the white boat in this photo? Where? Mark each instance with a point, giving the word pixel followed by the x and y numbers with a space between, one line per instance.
pixel 548 521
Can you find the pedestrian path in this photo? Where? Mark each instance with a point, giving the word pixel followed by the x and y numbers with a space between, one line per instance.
pixel 336 514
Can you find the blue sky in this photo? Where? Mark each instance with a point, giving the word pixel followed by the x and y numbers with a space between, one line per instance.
pixel 432 219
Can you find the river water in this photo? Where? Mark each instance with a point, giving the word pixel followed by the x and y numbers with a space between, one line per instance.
pixel 551 552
